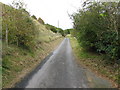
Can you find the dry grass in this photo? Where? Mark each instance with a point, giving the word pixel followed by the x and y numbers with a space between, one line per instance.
pixel 96 63
pixel 18 61
pixel 22 62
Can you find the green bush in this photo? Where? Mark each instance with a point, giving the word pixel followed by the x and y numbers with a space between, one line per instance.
pixel 20 27
pixel 52 28
pixel 33 16
pixel 96 28
pixel 40 21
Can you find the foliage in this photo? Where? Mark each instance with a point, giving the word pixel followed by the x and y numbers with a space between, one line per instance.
pixel 60 31
pixel 33 16
pixel 96 28
pixel 27 40
pixel 67 31
pixel 20 27
pixel 55 29
pixel 96 62
pixel 52 28
pixel 18 4
pixel 40 21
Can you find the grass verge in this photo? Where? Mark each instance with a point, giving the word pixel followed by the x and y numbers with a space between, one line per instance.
pixel 18 62
pixel 96 63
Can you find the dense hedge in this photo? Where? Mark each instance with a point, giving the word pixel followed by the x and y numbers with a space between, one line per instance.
pixel 96 27
pixel 55 29
pixel 52 28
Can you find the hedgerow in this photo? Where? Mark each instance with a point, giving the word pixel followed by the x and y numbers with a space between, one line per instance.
pixel 96 27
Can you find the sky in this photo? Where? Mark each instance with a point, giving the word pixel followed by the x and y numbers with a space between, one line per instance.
pixel 52 11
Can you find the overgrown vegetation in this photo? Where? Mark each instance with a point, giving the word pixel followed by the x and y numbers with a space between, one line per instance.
pixel 18 28
pixel 97 28
pixel 41 21
pixel 95 62
pixel 52 28
pixel 67 31
pixel 25 40
pixel 55 29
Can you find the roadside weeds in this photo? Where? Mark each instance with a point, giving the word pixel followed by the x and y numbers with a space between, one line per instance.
pixel 24 63
pixel 95 63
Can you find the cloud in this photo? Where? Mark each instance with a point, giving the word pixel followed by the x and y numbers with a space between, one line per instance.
pixel 52 11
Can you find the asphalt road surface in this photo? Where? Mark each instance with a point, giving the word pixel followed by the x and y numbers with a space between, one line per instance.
pixel 60 70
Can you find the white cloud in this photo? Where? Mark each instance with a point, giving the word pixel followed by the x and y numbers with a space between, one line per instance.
pixel 52 10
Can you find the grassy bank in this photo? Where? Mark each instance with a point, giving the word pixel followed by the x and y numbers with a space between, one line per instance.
pixel 25 42
pixel 95 62
pixel 18 62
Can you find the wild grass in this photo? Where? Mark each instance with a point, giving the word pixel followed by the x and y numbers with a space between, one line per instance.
pixel 17 61
pixel 96 62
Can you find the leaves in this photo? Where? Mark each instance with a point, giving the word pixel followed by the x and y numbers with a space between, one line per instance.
pixel 95 28
pixel 21 29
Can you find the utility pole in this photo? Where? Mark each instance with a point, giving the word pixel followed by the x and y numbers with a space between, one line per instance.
pixel 58 27
pixel 58 23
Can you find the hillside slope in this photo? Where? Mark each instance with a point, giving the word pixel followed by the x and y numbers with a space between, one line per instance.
pixel 25 42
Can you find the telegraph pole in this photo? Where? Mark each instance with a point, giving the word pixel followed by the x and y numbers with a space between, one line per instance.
pixel 58 23
pixel 58 26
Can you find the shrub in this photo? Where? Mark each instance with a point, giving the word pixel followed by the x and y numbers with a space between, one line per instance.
pixel 95 28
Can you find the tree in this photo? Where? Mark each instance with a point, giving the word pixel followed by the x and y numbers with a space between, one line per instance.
pixel 33 16
pixel 40 21
pixel 96 28
pixel 61 31
pixel 52 28
pixel 18 28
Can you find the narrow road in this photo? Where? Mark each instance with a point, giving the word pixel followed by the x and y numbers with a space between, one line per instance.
pixel 59 70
